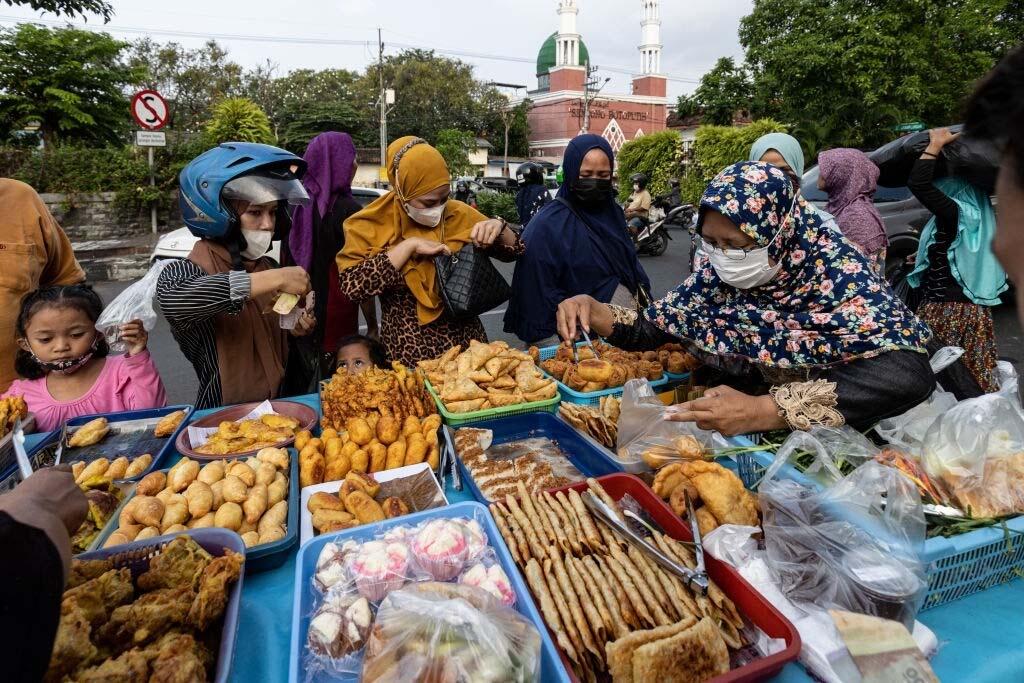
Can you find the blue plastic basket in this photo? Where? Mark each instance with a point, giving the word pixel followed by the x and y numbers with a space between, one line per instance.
pixel 956 567
pixel 268 555
pixel 48 444
pixel 589 459
pixel 136 557
pixel 307 597
pixel 591 398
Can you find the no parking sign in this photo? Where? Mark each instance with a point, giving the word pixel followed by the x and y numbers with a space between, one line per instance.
pixel 149 109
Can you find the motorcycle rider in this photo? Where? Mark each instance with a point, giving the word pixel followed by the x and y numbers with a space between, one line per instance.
pixel 639 204
pixel 532 194
pixel 464 194
pixel 672 198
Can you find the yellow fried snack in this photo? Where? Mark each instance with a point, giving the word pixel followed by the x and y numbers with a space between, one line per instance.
pixel 302 437
pixel 278 422
pixel 138 465
pixel 363 482
pixel 90 434
pixel 387 430
pixel 359 431
pixel 378 457
pixel 722 492
pixel 365 508
pixel 168 423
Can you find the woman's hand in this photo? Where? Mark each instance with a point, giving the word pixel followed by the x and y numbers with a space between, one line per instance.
pixel 586 312
pixel 292 280
pixel 415 246
pixel 304 325
pixel 726 410
pixel 486 232
pixel 134 335
pixel 939 138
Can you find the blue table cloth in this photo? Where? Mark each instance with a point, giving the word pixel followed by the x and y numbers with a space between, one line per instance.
pixel 979 635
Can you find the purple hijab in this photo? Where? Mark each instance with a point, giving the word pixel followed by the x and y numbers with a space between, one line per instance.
pixel 329 175
pixel 850 179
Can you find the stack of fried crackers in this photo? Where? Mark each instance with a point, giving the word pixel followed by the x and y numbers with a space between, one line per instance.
pixel 614 611
pixel 600 422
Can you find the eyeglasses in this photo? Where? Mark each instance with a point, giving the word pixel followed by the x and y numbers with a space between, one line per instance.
pixel 731 254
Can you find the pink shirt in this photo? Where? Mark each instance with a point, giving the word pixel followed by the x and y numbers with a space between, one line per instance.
pixel 124 383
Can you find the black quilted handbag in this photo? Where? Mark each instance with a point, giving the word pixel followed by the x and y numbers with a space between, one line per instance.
pixel 469 283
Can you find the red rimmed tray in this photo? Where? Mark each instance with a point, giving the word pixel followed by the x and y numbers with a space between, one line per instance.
pixel 751 604
pixel 306 416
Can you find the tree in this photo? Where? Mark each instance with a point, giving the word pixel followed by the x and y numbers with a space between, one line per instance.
pixel 240 120
pixel 191 80
pixel 687 106
pixel 305 102
pixel 455 146
pixel 70 81
pixel 495 111
pixel 656 155
pixel 432 93
pixel 861 67
pixel 722 92
pixel 68 7
pixel 716 147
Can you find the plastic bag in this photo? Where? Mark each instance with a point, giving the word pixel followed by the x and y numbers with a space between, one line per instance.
pixel 829 447
pixel 1009 385
pixel 854 546
pixel 645 433
pixel 134 303
pixel 438 631
pixel 907 431
pixel 976 449
pixel 976 161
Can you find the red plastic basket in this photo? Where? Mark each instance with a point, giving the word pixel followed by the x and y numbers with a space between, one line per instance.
pixel 751 604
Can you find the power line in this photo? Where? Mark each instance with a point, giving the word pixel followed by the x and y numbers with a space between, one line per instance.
pixel 295 40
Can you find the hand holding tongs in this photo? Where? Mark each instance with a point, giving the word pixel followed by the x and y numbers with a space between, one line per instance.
pixel 586 338
pixel 696 580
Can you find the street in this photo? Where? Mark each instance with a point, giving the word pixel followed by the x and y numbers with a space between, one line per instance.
pixel 665 271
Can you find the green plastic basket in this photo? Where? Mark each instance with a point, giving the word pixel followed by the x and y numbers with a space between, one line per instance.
pixel 451 419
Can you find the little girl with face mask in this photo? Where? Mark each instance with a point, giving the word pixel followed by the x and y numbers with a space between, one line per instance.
pixel 64 360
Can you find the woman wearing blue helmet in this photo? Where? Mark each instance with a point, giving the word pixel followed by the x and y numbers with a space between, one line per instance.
pixel 219 301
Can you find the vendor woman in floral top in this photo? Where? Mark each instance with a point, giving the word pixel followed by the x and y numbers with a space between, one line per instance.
pixel 785 309
pixel 390 246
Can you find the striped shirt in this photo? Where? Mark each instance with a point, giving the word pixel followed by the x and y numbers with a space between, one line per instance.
pixel 189 299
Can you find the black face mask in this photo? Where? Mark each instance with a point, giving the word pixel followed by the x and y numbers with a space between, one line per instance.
pixel 591 190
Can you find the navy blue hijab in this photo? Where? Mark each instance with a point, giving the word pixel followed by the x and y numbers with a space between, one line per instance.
pixel 571 250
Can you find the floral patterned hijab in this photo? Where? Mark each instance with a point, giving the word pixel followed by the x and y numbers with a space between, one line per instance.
pixel 823 307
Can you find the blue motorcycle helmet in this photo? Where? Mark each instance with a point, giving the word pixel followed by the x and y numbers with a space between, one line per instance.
pixel 245 171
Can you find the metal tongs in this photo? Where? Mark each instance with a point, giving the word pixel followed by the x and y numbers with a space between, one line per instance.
pixel 695 579
pixel 20 454
pixel 449 463
pixel 60 444
pixel 586 338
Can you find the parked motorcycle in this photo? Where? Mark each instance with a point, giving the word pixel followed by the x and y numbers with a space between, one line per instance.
pixel 653 239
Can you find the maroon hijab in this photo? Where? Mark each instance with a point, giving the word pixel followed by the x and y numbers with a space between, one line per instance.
pixel 850 179
pixel 329 175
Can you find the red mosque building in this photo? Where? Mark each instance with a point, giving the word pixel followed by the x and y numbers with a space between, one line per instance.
pixel 559 110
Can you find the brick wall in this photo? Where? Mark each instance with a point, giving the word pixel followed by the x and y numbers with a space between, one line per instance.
pixel 94 217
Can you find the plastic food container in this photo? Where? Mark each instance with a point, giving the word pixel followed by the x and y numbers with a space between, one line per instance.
pixel 633 466
pixel 136 557
pixel 260 557
pixel 132 444
pixel 552 669
pixel 751 604
pixel 460 419
pixel 587 457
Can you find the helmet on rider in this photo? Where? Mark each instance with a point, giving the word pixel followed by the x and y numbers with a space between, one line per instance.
pixel 236 171
pixel 461 186
pixel 530 173
pixel 673 182
pixel 638 179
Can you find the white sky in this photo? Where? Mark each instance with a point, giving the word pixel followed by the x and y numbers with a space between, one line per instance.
pixel 695 33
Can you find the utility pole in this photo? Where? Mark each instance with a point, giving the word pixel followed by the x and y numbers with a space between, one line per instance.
pixel 382 101
pixel 586 97
pixel 506 118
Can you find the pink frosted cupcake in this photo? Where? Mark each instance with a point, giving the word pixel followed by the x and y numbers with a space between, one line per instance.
pixel 476 539
pixel 380 568
pixel 440 548
pixel 493 580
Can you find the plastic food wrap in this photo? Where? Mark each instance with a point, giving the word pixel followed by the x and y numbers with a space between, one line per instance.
pixel 645 433
pixel 976 449
pixel 855 546
pixel 830 447
pixel 134 303
pixel 444 632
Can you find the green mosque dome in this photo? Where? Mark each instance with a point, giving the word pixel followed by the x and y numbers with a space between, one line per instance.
pixel 546 56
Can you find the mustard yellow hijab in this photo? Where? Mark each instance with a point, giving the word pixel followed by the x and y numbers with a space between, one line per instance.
pixel 414 169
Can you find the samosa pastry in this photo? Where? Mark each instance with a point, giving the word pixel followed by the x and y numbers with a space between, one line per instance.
pixel 462 390
pixel 466 406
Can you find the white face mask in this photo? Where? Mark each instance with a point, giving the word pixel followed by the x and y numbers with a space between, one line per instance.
pixel 257 243
pixel 746 269
pixel 427 217
pixel 636 188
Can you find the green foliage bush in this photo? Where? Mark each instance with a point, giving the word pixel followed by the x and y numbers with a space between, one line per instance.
pixel 238 119
pixel 657 156
pixel 717 147
pixel 497 205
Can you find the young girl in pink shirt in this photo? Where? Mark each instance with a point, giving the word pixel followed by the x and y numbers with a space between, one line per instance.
pixel 64 360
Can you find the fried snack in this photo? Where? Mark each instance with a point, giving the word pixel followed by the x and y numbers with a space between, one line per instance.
pixel 278 490
pixel 415 450
pixel 278 457
pixel 96 468
pixel 338 465
pixel 138 466
pixel 243 472
pixel 321 500
pixel 592 574
pixel 722 492
pixel 146 510
pixel 168 423
pixel 229 516
pixel 275 516
pixel 175 512
pixel 203 522
pixel 378 456
pixel 148 532
pixel 151 484
pixel 692 655
pixel 365 508
pixel 620 652
pixel 90 434
pixel 182 474
pixel 200 498
pixel 396 454
pixel 272 533
pixel 325 517
pixel 311 467
pixel 546 602
pixel 594 370
pixel 667 479
pixel 76 469
pixel 255 503
pixel 280 422
pixel 359 431
pixel 302 438
pixel 387 430
pixel 363 482
pixel 394 507
pixel 234 489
